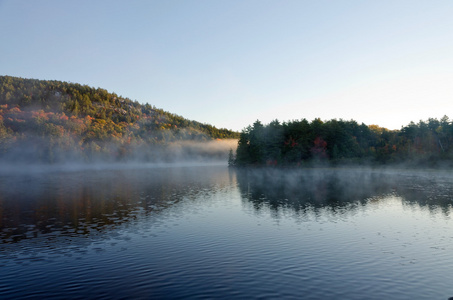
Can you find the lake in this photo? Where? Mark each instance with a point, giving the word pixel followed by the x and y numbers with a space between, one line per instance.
pixel 200 232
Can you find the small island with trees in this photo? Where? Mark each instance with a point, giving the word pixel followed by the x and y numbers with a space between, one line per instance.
pixel 303 143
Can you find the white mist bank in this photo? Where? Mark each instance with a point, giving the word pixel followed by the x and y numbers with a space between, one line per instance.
pixel 10 169
pixel 190 150
pixel 175 154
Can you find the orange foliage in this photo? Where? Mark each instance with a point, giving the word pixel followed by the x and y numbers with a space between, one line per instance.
pixel 64 117
pixel 292 142
pixel 319 148
pixel 15 110
pixel 377 129
pixel 40 114
pixel 60 130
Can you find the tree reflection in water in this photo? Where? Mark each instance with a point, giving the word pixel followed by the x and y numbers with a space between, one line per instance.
pixel 340 189
pixel 82 204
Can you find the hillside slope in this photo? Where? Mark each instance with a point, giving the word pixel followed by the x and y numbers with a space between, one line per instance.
pixel 53 121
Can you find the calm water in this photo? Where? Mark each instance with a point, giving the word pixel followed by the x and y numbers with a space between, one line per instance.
pixel 210 232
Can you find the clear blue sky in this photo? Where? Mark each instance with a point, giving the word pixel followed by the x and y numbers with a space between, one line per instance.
pixel 228 63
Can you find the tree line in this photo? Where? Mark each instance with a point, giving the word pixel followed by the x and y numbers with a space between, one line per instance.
pixel 53 121
pixel 300 142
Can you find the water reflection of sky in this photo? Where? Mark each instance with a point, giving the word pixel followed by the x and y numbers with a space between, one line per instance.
pixel 204 232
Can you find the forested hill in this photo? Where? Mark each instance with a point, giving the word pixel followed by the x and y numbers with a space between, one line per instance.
pixel 52 121
pixel 427 143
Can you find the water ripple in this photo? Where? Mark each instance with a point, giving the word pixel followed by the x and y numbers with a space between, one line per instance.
pixel 209 236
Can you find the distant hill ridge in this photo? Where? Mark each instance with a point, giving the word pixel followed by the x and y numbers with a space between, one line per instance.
pixel 46 118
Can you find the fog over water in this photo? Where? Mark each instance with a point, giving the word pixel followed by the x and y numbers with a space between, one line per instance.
pixel 176 153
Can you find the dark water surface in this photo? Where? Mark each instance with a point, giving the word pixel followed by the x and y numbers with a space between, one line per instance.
pixel 210 232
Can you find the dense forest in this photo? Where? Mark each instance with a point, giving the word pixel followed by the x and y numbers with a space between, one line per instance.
pixel 300 142
pixel 53 121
